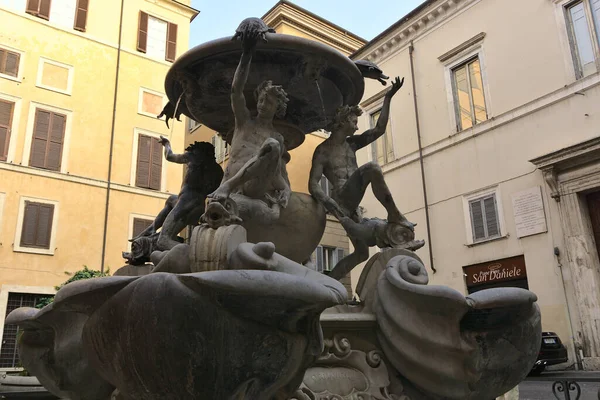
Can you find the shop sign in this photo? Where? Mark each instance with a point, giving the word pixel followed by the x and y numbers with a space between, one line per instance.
pixel 496 271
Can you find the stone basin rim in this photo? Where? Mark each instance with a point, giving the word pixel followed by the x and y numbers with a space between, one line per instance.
pixel 276 42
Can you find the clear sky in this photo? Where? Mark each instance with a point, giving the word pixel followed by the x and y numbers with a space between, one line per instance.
pixel 219 18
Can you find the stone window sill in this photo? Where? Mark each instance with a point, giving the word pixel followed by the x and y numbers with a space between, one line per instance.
pixel 487 240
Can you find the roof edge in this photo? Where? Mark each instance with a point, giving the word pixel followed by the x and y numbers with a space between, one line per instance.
pixel 316 16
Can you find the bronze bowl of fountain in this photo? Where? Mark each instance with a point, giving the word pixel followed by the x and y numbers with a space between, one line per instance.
pixel 317 78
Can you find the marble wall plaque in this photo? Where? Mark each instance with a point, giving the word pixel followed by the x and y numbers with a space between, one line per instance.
pixel 528 211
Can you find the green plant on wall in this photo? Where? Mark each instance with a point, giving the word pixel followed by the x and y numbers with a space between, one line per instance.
pixel 84 273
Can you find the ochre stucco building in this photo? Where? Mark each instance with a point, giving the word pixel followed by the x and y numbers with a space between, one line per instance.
pixel 81 83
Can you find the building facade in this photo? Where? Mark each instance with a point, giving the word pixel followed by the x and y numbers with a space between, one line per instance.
pixel 80 163
pixel 493 149
pixel 287 18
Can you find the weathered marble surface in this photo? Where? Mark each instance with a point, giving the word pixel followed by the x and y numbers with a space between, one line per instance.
pixel 244 333
pixel 449 345
pixel 51 349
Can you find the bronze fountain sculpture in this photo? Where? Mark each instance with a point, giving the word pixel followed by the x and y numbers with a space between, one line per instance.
pixel 233 314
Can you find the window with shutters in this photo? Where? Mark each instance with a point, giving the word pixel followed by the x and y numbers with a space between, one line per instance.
pixel 7 109
pixel 40 8
pixel 583 21
pixel 156 37
pixel 47 140
pixel 221 148
pixel 382 148
pixel 150 102
pixel 55 76
pixel 149 163
pixel 81 13
pixel 68 14
pixel 9 353
pixel 139 225
pixel 484 215
pixel 325 257
pixel 9 63
pixel 36 226
pixel 469 97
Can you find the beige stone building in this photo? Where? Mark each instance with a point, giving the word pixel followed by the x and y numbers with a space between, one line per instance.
pixel 493 148
pixel 288 18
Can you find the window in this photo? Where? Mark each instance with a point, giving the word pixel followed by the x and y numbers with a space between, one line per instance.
pixel 326 257
pixel 69 14
pixel 37 225
pixel 382 148
pixel 47 141
pixel 6 115
pixel 151 103
pixel 149 163
pixel 39 8
pixel 485 223
pixel 2 199
pixel 221 148
pixel 9 62
pixel 55 76
pixel 9 353
pixel 582 17
pixel 192 124
pixel 81 15
pixel 469 99
pixel 156 37
pixel 140 225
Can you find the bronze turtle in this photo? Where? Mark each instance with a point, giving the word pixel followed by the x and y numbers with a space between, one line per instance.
pixel 371 70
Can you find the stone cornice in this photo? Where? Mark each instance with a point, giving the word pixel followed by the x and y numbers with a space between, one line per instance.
pixel 409 28
pixel 177 7
pixel 571 156
pixel 323 30
pixel 462 47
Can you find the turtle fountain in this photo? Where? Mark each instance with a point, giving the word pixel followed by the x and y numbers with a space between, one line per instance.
pixel 236 312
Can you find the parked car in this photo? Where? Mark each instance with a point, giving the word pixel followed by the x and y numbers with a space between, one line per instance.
pixel 552 352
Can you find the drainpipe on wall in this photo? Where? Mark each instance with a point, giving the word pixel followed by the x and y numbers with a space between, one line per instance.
pixel 112 140
pixel 411 50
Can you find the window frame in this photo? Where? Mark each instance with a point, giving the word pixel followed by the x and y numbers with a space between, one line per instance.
pixel 132 218
pixel 469 228
pixel 321 248
pixel 141 101
pixel 463 57
pixel 14 128
pixel 593 30
pixel 5 291
pixel 19 77
pixel 144 48
pixel 40 73
pixel 134 155
pixel 192 125
pixel 18 232
pixel 34 106
pixel 2 203
pixel 37 13
pixel 373 145
pixel 220 158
